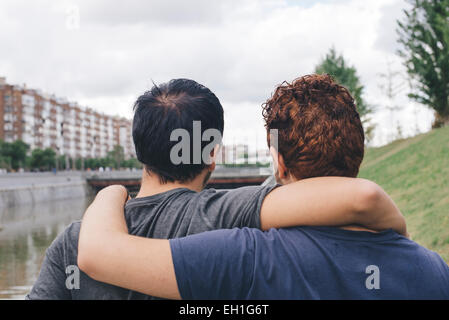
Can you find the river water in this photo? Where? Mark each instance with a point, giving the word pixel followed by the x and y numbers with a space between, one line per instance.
pixel 25 234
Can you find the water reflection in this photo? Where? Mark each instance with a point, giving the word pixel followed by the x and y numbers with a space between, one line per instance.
pixel 25 234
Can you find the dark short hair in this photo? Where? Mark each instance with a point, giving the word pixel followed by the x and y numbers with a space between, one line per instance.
pixel 319 129
pixel 165 108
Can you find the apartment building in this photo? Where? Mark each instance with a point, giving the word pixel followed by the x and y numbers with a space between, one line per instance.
pixel 46 121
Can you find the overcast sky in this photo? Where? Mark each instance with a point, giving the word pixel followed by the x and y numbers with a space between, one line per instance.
pixel 103 54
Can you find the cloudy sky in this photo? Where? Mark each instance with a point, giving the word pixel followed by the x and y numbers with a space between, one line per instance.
pixel 103 54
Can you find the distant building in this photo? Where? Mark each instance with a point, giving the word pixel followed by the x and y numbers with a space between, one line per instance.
pixel 241 154
pixel 44 121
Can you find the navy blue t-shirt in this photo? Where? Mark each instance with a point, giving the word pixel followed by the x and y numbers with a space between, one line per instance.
pixel 307 263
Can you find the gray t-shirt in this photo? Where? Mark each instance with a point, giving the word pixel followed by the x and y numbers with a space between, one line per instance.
pixel 172 214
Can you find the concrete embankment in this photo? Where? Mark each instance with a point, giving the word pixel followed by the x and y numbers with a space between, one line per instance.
pixel 30 188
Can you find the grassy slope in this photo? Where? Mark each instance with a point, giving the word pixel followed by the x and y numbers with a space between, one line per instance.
pixel 415 172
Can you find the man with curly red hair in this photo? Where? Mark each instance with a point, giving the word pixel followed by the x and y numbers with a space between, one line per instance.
pixel 318 134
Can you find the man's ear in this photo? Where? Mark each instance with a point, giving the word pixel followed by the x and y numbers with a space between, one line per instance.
pixel 279 164
pixel 213 157
pixel 282 169
pixel 274 156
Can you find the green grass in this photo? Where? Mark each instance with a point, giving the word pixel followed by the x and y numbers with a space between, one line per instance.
pixel 415 173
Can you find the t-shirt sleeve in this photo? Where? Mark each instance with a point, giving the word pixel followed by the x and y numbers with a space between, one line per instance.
pixel 214 265
pixel 50 284
pixel 236 208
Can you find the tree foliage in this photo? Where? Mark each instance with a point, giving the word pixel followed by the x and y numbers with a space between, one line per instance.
pixel 5 160
pixel 43 159
pixel 13 155
pixel 117 154
pixel 424 39
pixel 335 65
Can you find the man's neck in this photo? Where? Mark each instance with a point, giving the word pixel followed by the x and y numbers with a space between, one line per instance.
pixel 152 185
pixel 357 228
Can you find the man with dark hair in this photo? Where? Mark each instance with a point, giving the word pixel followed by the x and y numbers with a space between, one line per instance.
pixel 159 112
pixel 319 134
pixel 171 202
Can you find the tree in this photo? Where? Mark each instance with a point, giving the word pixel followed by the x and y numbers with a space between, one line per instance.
pixel 5 160
pixel 19 150
pixel 15 153
pixel 335 65
pixel 61 162
pixel 424 39
pixel 132 163
pixel 43 159
pixel 117 155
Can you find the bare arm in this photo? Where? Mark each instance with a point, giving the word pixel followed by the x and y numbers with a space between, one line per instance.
pixel 107 253
pixel 331 201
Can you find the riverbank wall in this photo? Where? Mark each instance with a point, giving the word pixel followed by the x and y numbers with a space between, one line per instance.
pixel 32 188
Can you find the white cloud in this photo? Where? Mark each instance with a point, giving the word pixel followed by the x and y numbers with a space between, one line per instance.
pixel 240 49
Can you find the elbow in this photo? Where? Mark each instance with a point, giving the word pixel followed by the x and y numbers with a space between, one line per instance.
pixel 369 195
pixel 378 210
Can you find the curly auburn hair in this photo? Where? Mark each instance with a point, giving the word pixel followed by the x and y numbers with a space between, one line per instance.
pixel 319 128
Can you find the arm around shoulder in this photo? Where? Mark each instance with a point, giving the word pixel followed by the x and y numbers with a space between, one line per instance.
pixel 107 253
pixel 331 201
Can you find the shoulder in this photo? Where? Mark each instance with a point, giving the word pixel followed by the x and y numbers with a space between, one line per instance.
pixel 432 258
pixel 237 191
pixel 218 243
pixel 65 244
pixel 245 196
pixel 222 237
pixel 71 233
